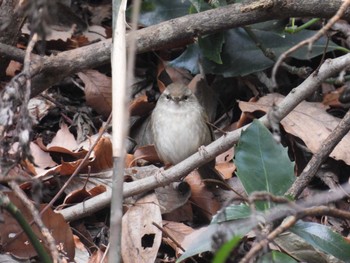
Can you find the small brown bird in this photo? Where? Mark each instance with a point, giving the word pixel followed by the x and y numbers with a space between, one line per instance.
pixel 179 127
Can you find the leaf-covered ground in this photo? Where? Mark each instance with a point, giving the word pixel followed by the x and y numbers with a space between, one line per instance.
pixel 56 148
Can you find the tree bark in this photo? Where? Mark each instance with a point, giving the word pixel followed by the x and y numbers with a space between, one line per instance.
pixel 176 32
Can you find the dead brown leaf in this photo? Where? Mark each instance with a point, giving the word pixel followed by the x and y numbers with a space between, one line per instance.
pixel 98 91
pixel 83 194
pixel 181 214
pixel 41 158
pixel 177 231
pixel 308 121
pixel 148 153
pixel 13 68
pixel 19 246
pixel 103 156
pixel 97 257
pixel 140 238
pixel 63 139
pixel 202 196
pixel 224 163
pixel 173 196
pixel 140 106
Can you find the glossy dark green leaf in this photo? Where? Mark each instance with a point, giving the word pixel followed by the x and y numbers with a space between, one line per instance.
pixel 323 238
pixel 202 242
pixel 262 163
pixel 240 55
pixel 189 59
pixel 232 212
pixel 211 46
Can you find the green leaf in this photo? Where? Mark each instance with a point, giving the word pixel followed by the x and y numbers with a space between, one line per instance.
pixel 276 256
pixel 224 252
pixel 240 55
pixel 232 212
pixel 276 26
pixel 189 59
pixel 323 238
pixel 201 241
pixel 262 163
pixel 211 46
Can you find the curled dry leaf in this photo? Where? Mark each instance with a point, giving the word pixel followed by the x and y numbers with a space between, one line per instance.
pixel 83 194
pixel 13 68
pixel 224 163
pixel 103 156
pixel 332 98
pixel 59 153
pixel 148 153
pixel 308 121
pixel 140 106
pixel 63 139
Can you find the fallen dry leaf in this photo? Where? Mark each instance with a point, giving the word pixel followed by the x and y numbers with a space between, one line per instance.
pixel 20 246
pixel 332 98
pixel 178 231
pixel 83 194
pixel 202 196
pixel 41 158
pixel 148 153
pixel 63 139
pixel 13 68
pixel 98 91
pixel 140 106
pixel 224 163
pixel 140 238
pixel 181 214
pixel 173 196
pixel 103 156
pixel 308 121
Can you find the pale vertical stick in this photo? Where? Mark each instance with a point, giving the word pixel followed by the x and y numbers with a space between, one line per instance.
pixel 119 125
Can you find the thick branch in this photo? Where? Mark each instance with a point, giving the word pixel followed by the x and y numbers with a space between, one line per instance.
pixel 176 32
